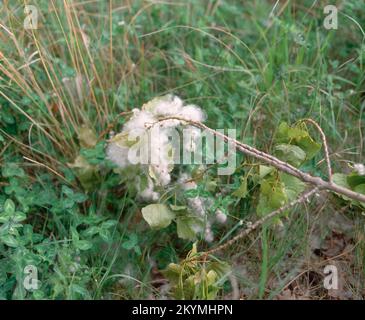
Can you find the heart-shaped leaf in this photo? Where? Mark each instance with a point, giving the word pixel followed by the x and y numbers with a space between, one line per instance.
pixel 187 227
pixel 290 153
pixel 157 215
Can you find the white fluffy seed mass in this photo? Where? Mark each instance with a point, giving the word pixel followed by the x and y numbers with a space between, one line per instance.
pixel 359 168
pixel 208 234
pixel 220 216
pixel 148 129
pixel 196 204
pixel 142 123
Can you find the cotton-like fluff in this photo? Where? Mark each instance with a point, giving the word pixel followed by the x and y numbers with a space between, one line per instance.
pixel 161 156
pixel 151 113
pixel 117 154
pixel 142 123
pixel 193 135
pixel 173 106
pixel 195 204
pixel 192 113
pixel 148 194
pixel 208 236
pixel 170 106
pixel 208 233
pixel 220 216
pixel 160 173
pixel 117 150
pixel 186 182
pixel 360 168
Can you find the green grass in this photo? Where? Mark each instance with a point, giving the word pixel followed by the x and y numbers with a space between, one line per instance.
pixel 83 67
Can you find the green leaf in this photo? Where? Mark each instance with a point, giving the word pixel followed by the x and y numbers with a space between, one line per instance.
pixel 137 250
pixel 278 190
pixel 211 185
pixel 299 136
pixel 157 215
pixel 74 235
pixel 360 188
pixel 357 185
pixel 272 196
pixel 173 272
pixel 341 180
pixel 241 192
pixel 9 207
pixel 87 174
pixel 143 182
pixel 309 146
pixel 177 208
pixel 91 231
pixel 131 242
pixel 4 218
pixel 12 170
pixel 265 170
pixel 83 244
pixel 11 228
pixel 211 277
pixel 187 227
pixel 220 267
pixel 75 288
pixel 19 216
pixel 87 137
pixel 285 133
pixel 123 140
pixel 354 179
pixel 290 153
pixel 74 196
pixel 10 240
pixel 292 186
pixel 8 117
pixel 94 156
pixel 105 234
pixel 191 193
pixel 108 224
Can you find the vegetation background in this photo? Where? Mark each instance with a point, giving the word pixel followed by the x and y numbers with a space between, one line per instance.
pixel 249 64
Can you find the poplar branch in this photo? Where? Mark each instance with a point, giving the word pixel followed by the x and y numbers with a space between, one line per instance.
pixel 275 162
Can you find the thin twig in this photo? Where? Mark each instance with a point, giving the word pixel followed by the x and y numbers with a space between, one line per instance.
pixel 261 221
pixel 112 124
pixel 325 146
pixel 49 168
